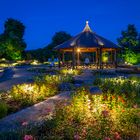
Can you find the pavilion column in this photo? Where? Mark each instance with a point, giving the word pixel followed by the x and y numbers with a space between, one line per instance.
pixel 73 58
pixel 97 54
pixel 63 56
pixel 78 58
pixel 93 57
pixel 111 57
pixel 100 58
pixel 115 58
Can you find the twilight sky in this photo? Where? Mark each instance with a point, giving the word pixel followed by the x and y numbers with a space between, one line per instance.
pixel 43 18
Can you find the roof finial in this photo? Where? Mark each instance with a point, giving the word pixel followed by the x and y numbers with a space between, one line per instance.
pixel 87 28
pixel 87 22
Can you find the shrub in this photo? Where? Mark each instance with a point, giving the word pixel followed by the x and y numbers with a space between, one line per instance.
pixel 28 94
pixel 131 57
pixel 57 79
pixel 119 86
pixel 43 87
pixel 70 71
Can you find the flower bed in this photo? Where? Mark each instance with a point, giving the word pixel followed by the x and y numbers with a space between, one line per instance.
pixel 70 72
pixel 113 115
pixel 127 86
pixel 23 95
pixel 97 117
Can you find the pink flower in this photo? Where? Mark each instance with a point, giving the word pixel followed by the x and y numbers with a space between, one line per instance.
pixel 117 136
pixel 48 110
pixel 135 106
pixel 84 132
pixel 76 137
pixel 28 137
pixel 107 138
pixel 24 123
pixel 105 113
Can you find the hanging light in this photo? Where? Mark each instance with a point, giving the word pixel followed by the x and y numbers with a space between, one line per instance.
pixel 78 50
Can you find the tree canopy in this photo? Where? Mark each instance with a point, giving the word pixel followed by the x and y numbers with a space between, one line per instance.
pixel 129 38
pixel 48 51
pixel 11 40
pixel 130 41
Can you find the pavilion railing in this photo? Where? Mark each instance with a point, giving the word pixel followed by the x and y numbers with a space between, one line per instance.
pixel 90 65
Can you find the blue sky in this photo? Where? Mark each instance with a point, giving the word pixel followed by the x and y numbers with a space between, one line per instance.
pixel 43 18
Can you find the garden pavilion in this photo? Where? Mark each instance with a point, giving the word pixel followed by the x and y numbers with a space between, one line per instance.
pixel 89 42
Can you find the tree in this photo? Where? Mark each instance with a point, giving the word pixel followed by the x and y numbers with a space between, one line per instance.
pixel 48 51
pixel 129 38
pixel 60 37
pixel 57 39
pixel 11 41
pixel 130 41
pixel 130 57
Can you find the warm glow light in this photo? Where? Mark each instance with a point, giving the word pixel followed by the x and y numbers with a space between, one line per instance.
pixel 78 50
pixel 101 43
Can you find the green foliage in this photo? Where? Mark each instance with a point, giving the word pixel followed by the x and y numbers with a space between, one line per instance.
pixel 28 94
pixel 91 117
pixel 129 38
pixel 53 79
pixel 129 87
pixel 3 109
pixel 11 41
pixel 60 37
pixel 14 28
pixel 130 57
pixel 70 71
pixel 44 86
pixel 23 95
pixel 130 42
pixel 113 114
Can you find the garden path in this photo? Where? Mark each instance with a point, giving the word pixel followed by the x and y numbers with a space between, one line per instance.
pixel 87 77
pixel 33 114
pixel 14 76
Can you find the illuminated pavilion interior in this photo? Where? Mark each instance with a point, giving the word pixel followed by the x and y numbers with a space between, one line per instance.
pixel 90 43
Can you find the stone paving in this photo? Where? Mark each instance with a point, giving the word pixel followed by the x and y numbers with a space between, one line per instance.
pixel 14 76
pixel 87 77
pixel 32 114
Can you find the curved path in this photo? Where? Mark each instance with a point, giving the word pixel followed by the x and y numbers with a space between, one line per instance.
pixel 14 76
pixel 7 74
pixel 87 77
pixel 33 114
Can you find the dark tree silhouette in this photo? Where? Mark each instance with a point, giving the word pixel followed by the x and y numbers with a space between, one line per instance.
pixel 11 41
pixel 129 38
pixel 48 51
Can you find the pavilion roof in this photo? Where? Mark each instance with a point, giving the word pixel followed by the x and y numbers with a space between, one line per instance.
pixel 87 39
